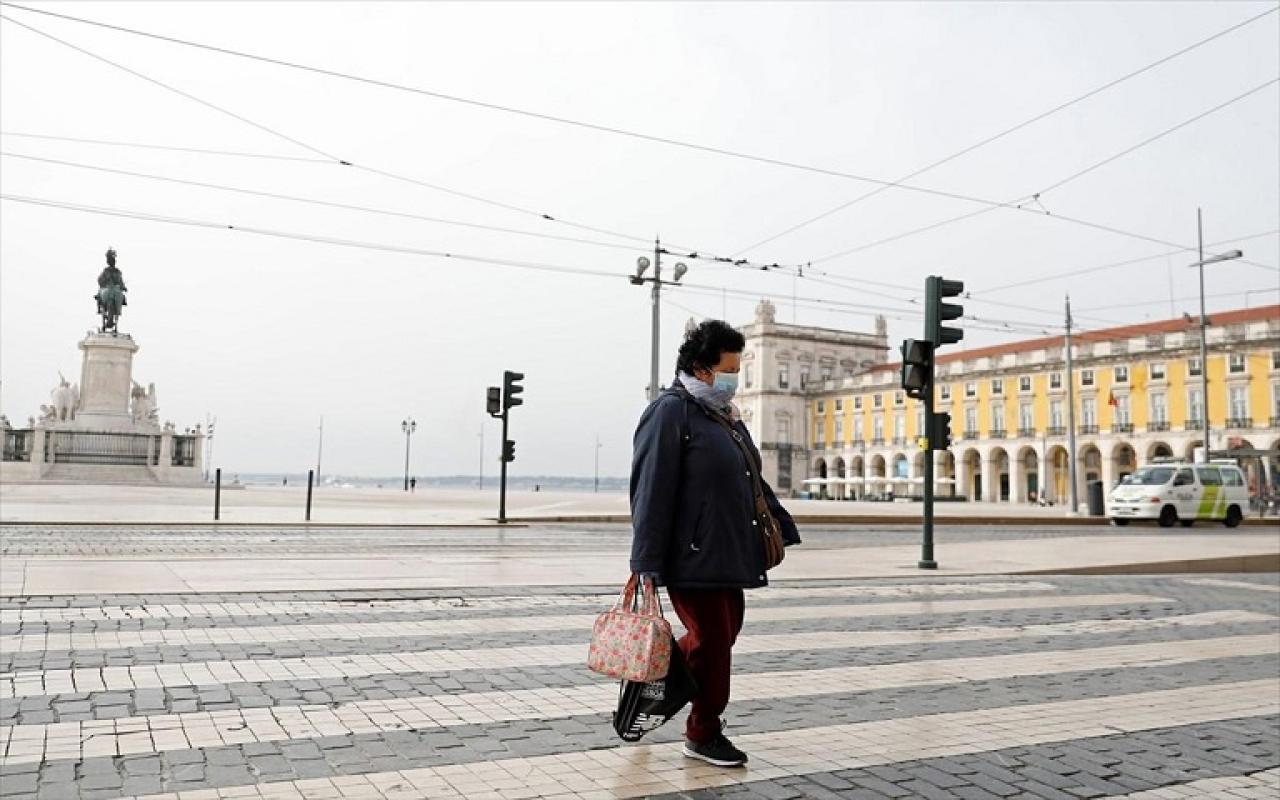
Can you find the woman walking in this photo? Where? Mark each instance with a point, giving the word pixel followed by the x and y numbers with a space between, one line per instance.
pixel 697 530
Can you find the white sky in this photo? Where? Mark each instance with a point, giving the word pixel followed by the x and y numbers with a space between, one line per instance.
pixel 365 337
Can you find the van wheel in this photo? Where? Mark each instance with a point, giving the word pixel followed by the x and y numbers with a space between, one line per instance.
pixel 1168 516
pixel 1186 523
pixel 1119 523
pixel 1233 517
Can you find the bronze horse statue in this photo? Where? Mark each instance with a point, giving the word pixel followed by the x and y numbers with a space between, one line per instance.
pixel 111 294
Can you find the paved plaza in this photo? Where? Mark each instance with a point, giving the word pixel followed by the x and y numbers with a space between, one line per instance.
pixel 907 686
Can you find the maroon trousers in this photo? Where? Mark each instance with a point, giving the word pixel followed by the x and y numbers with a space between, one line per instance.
pixel 713 618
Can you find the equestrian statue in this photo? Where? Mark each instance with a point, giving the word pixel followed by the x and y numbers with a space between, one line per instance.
pixel 111 294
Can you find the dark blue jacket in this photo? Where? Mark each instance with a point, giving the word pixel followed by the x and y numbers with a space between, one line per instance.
pixel 692 499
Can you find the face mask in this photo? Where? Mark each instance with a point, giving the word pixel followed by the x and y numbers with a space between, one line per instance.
pixel 725 385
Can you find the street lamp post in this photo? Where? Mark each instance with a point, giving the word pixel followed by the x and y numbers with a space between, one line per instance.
pixel 408 425
pixel 597 481
pixel 642 264
pixel 1204 323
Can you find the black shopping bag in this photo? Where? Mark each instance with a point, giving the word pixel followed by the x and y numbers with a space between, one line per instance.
pixel 643 707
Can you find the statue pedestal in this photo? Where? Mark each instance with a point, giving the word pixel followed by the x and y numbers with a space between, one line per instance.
pixel 106 378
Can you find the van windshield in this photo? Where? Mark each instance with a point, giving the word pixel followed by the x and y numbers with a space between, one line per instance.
pixel 1150 476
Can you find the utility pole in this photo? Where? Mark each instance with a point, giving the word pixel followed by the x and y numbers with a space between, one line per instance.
pixel 408 425
pixel 482 458
pixel 597 482
pixel 638 279
pixel 1204 346
pixel 655 343
pixel 320 448
pixel 1073 491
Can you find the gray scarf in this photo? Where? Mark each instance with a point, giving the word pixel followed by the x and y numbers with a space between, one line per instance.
pixel 708 396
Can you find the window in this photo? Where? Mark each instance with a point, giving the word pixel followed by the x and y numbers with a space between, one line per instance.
pixel 899 426
pixel 877 429
pixel 1157 371
pixel 1193 366
pixel 1275 404
pixel 857 404
pixel 944 391
pixel 1086 377
pixel 877 401
pixel 1055 415
pixel 839 405
pixel 1159 407
pixel 898 398
pixel 857 429
pixel 971 422
pixel 1232 477
pixel 997 416
pixel 820 434
pixel 1275 360
pixel 784 430
pixel 1209 476
pixel 971 389
pixel 784 377
pixel 746 376
pixel 1195 406
pixel 920 422
pixel 804 375
pixel 1055 380
pixel 1238 403
pixel 1122 410
pixel 1235 363
pixel 1026 417
pixel 1185 477
pixel 839 431
pixel 1024 383
pixel 822 407
pixel 997 386
pixel 1121 374
pixel 826 372
pixel 1089 412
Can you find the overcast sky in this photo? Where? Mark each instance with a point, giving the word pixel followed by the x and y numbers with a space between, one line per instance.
pixel 268 334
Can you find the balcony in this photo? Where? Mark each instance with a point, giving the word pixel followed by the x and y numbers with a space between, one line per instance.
pixel 1240 422
pixel 1055 430
pixel 877 442
pixel 1026 433
pixel 1275 422
pixel 1159 426
pixel 1193 424
pixel 971 434
pixel 1088 430
pixel 1122 427
pixel 899 441
pixel 998 434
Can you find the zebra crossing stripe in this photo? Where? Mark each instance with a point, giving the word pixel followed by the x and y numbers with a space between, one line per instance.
pixel 169 732
pixel 33 683
pixel 634 771
pixel 111 640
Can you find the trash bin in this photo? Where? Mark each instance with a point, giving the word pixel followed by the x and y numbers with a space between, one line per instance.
pixel 1094 499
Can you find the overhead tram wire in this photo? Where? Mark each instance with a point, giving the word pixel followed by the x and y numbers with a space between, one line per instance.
pixel 565 121
pixel 1017 202
pixel 1014 129
pixel 145 146
pixel 1215 296
pixel 317 202
pixel 390 248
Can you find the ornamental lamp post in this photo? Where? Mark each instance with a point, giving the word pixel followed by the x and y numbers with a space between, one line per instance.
pixel 408 425
pixel 1204 323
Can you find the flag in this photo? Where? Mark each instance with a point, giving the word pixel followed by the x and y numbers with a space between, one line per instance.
pixel 1111 399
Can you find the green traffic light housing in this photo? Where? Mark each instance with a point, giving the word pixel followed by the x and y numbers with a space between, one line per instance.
pixel 510 388
pixel 937 289
pixel 493 401
pixel 917 367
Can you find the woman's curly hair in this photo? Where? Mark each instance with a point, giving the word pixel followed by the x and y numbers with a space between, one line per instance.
pixel 703 345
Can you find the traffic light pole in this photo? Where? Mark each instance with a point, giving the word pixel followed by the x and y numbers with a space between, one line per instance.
pixel 502 482
pixel 926 546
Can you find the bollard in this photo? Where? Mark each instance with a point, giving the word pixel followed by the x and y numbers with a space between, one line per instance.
pixel 311 475
pixel 217 494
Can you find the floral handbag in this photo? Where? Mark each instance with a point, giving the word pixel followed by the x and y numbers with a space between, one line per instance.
pixel 630 644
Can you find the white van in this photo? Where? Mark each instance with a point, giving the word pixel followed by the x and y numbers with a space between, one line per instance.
pixel 1181 492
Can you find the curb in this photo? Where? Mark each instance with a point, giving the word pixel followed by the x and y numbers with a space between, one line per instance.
pixel 1260 562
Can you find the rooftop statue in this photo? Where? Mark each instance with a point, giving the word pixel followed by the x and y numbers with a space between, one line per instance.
pixel 111 294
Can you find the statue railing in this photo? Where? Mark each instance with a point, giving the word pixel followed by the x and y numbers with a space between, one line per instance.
pixel 83 447
pixel 184 451
pixel 17 445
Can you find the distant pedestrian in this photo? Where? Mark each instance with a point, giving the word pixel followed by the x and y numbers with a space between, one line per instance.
pixel 286 480
pixel 413 485
pixel 696 529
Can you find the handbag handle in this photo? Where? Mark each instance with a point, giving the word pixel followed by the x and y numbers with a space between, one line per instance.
pixel 651 601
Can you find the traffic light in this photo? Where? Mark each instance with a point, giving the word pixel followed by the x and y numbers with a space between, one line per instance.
pixel 493 401
pixel 917 367
pixel 509 451
pixel 938 289
pixel 940 431
pixel 510 388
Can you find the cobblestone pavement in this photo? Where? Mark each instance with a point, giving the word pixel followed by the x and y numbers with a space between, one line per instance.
pixel 178 540
pixel 1061 687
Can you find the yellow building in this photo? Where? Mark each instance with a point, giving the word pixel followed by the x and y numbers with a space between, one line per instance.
pixel 1137 395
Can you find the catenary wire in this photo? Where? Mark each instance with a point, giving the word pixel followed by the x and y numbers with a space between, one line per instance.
pixel 567 121
pixel 146 146
pixel 1010 130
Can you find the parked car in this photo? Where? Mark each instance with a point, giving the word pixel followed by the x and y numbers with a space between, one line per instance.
pixel 1181 492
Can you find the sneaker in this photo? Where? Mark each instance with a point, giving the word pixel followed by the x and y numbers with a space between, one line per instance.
pixel 719 751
